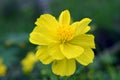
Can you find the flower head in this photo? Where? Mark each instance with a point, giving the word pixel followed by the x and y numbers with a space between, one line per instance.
pixel 63 43
pixel 28 62
pixel 3 68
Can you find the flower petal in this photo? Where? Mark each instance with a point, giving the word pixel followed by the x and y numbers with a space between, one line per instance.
pixel 45 32
pixel 71 51
pixel 43 55
pixel 64 67
pixel 77 24
pixel 81 26
pixel 86 58
pixel 85 30
pixel 64 18
pixel 55 52
pixel 47 21
pixel 83 40
pixel 41 39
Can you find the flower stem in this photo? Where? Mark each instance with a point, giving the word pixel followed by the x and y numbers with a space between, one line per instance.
pixel 66 78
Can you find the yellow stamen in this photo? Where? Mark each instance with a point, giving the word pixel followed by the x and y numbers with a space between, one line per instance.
pixel 65 33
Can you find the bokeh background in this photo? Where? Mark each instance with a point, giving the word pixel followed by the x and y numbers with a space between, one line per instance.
pixel 17 19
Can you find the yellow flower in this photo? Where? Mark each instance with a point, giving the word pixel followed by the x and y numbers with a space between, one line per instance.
pixel 28 62
pixel 3 69
pixel 63 43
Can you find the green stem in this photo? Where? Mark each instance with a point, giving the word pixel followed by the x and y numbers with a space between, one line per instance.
pixel 66 78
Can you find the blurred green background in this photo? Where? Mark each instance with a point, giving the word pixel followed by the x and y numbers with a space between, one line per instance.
pixel 17 19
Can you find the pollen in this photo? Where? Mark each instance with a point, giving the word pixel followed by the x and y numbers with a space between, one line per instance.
pixel 65 33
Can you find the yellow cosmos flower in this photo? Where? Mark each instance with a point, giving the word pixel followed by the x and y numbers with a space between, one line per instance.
pixel 3 69
pixel 28 62
pixel 63 43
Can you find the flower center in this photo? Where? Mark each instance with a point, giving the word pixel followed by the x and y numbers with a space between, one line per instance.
pixel 65 33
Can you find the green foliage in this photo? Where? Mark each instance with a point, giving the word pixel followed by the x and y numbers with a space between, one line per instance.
pixel 105 13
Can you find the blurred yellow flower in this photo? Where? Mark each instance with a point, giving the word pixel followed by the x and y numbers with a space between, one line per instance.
pixel 63 43
pixel 3 68
pixel 28 62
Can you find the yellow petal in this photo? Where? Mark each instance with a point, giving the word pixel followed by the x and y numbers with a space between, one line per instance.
pixel 86 58
pixel 64 18
pixel 77 24
pixel 64 67
pixel 43 55
pixel 48 21
pixel 31 57
pixel 44 31
pixel 81 26
pixel 55 52
pixel 85 30
pixel 40 39
pixel 84 40
pixel 71 51
pixel 3 70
